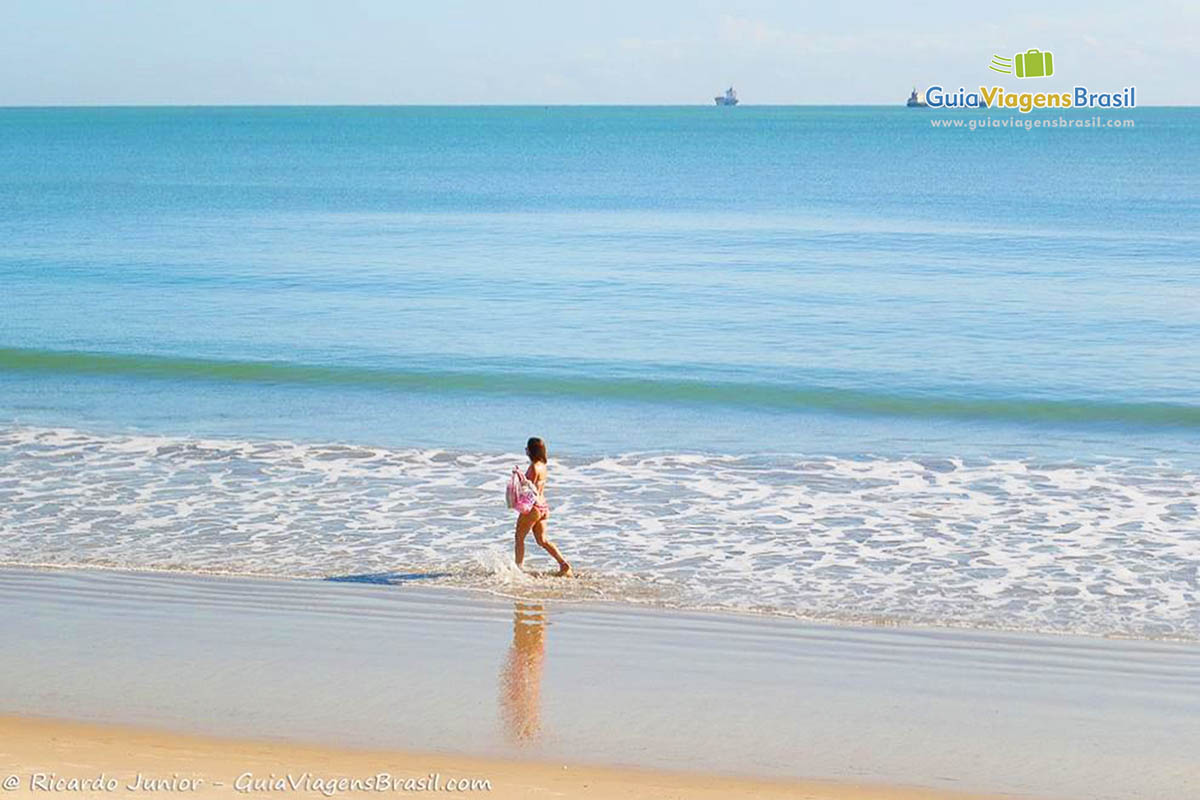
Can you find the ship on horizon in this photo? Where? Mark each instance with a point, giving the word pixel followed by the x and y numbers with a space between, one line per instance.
pixel 728 99
pixel 916 99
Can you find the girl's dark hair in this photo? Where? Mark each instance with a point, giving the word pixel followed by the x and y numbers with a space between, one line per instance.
pixel 536 449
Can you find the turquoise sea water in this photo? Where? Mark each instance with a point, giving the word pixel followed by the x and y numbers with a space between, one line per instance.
pixel 792 330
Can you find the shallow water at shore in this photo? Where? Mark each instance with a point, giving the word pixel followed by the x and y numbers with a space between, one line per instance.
pixel 1104 548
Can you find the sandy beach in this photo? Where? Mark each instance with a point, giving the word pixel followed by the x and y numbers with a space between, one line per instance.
pixel 99 761
pixel 170 673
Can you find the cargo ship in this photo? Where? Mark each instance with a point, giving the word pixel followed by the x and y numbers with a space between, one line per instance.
pixel 916 99
pixel 727 99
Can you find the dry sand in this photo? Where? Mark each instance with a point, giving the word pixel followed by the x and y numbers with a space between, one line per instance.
pixel 54 754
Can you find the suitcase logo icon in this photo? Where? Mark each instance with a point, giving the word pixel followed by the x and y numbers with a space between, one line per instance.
pixel 1033 63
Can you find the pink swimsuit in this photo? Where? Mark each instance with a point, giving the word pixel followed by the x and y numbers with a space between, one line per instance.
pixel 541 506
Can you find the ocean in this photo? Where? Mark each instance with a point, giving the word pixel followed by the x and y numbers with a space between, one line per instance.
pixel 828 363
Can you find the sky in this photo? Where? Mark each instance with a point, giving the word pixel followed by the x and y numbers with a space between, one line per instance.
pixel 151 52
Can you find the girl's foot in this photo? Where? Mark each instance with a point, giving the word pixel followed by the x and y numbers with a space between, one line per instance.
pixel 564 570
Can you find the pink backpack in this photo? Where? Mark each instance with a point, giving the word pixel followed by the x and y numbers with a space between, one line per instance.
pixel 520 493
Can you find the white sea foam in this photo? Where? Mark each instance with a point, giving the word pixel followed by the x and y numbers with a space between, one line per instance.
pixel 1098 548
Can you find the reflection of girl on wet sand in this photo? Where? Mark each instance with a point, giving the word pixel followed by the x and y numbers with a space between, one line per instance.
pixel 521 679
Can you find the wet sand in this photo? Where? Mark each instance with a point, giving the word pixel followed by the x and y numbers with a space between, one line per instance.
pixel 440 679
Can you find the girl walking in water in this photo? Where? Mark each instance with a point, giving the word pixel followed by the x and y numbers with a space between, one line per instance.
pixel 535 518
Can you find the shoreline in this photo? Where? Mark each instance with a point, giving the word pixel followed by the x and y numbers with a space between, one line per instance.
pixel 418 580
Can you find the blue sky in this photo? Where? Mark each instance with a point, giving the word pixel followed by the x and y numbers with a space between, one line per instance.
pixel 615 51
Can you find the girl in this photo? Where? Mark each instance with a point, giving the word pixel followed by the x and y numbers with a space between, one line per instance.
pixel 535 518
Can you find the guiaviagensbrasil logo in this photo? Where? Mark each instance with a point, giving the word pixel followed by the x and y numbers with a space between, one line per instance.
pixel 1031 63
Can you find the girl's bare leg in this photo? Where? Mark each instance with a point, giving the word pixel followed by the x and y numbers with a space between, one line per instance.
pixel 539 535
pixel 524 523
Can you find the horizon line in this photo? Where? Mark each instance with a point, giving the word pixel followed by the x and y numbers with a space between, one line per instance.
pixel 894 104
